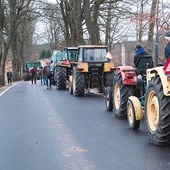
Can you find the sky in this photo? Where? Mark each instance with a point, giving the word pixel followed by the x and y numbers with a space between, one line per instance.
pixel 40 27
pixel 51 1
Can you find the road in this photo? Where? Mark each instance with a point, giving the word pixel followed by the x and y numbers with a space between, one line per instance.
pixel 52 130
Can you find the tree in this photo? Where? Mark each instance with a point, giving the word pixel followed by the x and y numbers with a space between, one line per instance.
pixel 45 54
pixel 153 15
pixel 12 15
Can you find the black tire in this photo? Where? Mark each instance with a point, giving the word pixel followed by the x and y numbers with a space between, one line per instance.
pixel 52 80
pixel 109 98
pixel 100 89
pixel 109 79
pixel 25 77
pixel 61 78
pixel 157 110
pixel 121 93
pixel 131 113
pixel 78 84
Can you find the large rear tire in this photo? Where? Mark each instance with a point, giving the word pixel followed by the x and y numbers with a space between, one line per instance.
pixel 121 93
pixel 157 110
pixel 109 98
pixel 109 79
pixel 78 84
pixel 61 78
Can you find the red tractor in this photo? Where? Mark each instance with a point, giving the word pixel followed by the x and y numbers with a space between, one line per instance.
pixel 124 84
pixel 146 95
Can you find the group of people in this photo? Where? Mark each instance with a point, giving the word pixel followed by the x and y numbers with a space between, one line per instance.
pixel 44 74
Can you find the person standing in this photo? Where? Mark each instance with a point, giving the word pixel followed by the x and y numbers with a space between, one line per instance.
pixel 33 74
pixel 40 74
pixel 9 77
pixel 47 75
pixel 167 47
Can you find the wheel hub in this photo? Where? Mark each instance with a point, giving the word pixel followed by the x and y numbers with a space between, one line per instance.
pixel 130 113
pixel 117 96
pixel 153 111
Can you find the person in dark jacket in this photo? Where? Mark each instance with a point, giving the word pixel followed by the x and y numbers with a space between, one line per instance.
pixel 47 75
pixel 9 77
pixel 142 59
pixel 167 47
pixel 140 51
pixel 33 74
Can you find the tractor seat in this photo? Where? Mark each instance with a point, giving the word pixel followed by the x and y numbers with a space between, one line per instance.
pixel 145 62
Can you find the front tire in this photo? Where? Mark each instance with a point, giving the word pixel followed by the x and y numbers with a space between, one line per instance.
pixel 78 84
pixel 134 108
pixel 109 98
pixel 109 79
pixel 121 93
pixel 61 78
pixel 157 111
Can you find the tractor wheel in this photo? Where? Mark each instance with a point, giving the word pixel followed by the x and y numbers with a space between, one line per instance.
pixel 52 80
pixel 109 98
pixel 121 93
pixel 133 106
pixel 25 78
pixel 157 109
pixel 100 89
pixel 61 78
pixel 109 79
pixel 78 83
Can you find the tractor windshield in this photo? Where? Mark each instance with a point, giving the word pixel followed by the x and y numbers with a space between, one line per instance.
pixel 72 54
pixel 36 64
pixel 95 54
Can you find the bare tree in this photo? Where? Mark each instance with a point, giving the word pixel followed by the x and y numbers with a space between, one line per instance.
pixel 13 13
pixel 152 25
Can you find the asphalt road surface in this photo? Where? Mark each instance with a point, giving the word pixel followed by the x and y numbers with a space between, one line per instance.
pixel 44 129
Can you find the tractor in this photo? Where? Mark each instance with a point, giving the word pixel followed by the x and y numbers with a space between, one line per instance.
pixel 32 63
pixel 94 70
pixel 55 59
pixel 64 67
pixel 136 95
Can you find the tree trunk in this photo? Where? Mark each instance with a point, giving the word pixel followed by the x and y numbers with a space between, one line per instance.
pixel 151 26
pixel 91 22
pixel 108 28
pixel 77 17
pixel 3 59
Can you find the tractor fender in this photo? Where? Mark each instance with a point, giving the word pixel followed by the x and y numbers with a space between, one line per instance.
pixel 158 71
pixel 108 67
pixel 129 76
pixel 82 67
pixel 137 107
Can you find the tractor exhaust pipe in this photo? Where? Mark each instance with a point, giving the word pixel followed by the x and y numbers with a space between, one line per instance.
pixel 155 59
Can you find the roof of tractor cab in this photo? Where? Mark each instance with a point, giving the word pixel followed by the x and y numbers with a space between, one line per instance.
pixel 70 48
pixel 92 46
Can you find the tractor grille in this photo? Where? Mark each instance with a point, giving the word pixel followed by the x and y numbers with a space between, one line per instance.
pixel 95 67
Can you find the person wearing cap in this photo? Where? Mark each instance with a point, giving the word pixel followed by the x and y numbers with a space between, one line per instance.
pixel 33 74
pixel 167 47
pixel 47 75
